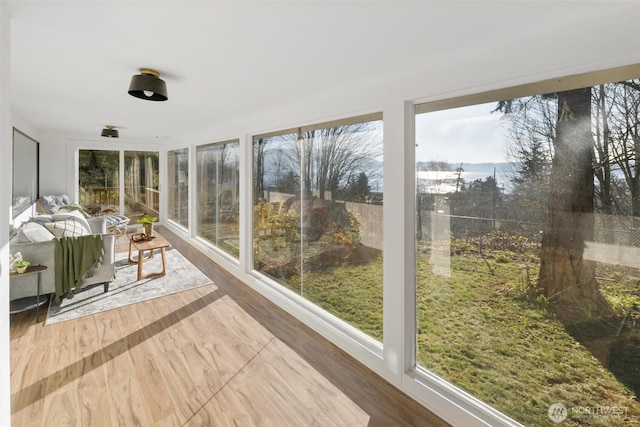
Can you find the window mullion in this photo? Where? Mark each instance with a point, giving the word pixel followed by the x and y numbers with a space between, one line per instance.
pixel 399 267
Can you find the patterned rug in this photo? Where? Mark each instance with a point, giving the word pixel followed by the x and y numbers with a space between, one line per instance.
pixel 125 289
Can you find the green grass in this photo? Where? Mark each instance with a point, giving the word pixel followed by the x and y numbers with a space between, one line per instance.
pixel 481 332
pixel 353 293
pixel 484 331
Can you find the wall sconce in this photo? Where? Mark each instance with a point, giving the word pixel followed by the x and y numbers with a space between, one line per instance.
pixel 148 85
pixel 110 132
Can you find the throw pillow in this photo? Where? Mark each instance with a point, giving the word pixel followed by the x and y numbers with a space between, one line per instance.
pixel 74 215
pixel 70 227
pixel 54 200
pixel 41 219
pixel 33 232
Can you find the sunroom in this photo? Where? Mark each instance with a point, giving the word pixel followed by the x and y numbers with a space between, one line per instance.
pixel 444 192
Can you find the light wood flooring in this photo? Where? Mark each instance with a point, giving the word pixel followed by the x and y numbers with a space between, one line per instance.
pixel 218 355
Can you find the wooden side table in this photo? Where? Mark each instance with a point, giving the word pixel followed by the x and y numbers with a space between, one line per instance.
pixel 158 242
pixel 29 303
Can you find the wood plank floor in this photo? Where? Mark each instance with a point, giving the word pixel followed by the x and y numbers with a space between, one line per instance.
pixel 218 355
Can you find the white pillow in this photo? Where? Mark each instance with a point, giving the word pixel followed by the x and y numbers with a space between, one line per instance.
pixel 73 215
pixel 33 232
pixel 41 219
pixel 70 227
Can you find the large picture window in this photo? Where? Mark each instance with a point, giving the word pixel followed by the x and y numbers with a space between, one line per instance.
pixel 528 251
pixel 218 201
pixel 318 216
pixel 178 191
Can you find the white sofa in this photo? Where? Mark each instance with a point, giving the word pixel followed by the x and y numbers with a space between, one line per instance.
pixel 41 252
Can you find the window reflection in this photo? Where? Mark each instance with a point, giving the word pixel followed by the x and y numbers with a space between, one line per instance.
pixel 99 186
pixel 318 216
pixel 527 287
pixel 141 179
pixel 178 191
pixel 218 195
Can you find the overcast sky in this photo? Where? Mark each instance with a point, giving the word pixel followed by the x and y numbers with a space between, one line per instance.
pixel 461 135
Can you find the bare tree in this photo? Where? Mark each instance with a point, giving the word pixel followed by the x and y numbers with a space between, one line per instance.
pixel 531 126
pixel 623 131
pixel 327 160
pixel 258 169
pixel 566 277
pixel 603 142
pixel 554 151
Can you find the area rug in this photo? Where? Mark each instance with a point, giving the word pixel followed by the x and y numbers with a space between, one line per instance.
pixel 126 289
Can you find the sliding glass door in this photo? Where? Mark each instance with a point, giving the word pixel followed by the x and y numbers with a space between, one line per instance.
pixel 101 182
pixel 141 195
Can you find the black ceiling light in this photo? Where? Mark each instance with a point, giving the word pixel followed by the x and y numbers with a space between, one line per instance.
pixel 148 85
pixel 110 132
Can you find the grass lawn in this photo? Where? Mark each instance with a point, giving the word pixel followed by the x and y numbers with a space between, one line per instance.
pixel 351 292
pixel 484 334
pixel 480 330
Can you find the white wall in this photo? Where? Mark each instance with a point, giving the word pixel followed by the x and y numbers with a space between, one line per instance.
pixel 25 126
pixel 5 215
pixel 54 164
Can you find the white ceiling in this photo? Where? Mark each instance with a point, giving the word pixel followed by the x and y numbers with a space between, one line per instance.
pixel 71 62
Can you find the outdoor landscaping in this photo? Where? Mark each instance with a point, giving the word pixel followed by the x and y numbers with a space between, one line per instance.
pixel 526 281
pixel 485 326
pixel 486 331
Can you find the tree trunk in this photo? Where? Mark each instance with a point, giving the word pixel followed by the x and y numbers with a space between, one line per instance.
pixel 635 182
pixel 566 278
pixel 604 174
pixel 259 165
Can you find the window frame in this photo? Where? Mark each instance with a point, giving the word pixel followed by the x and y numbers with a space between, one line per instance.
pixel 304 309
pixel 196 214
pixel 170 177
pixel 415 378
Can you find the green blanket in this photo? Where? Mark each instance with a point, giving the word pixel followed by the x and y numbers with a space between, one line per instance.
pixel 74 258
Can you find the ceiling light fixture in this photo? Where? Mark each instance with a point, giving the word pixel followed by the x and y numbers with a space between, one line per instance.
pixel 110 132
pixel 148 85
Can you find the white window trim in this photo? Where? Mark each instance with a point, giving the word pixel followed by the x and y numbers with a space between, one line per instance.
pixel 441 397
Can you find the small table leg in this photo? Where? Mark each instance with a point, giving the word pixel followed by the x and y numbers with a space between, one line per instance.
pixel 149 246
pixel 38 298
pixel 140 253
pixel 130 248
pixel 141 259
